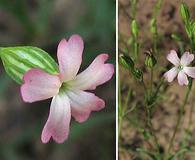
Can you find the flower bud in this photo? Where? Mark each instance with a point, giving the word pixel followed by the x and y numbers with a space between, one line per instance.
pixel 134 28
pixel 18 60
pixel 150 60
pixel 153 27
pixel 126 62
pixel 138 74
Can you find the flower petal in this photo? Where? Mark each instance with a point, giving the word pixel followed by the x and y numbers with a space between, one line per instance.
pixel 187 58
pixel 173 58
pixel 82 103
pixel 39 85
pixel 57 125
pixel 182 78
pixel 190 71
pixel 96 74
pixel 171 74
pixel 70 56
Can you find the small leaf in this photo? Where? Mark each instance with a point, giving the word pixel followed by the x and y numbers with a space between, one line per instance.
pixel 134 28
pixel 188 30
pixel 150 154
pixel 193 27
pixel 176 37
pixel 147 135
pixel 185 14
pixel 179 153
pixel 18 60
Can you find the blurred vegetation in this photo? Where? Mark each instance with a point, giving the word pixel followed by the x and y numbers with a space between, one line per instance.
pixel 43 23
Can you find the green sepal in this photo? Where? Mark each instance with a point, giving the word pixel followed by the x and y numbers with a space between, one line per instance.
pixel 138 74
pixel 18 60
pixel 126 62
pixel 150 61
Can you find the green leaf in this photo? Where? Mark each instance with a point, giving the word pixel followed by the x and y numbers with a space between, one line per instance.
pixel 150 154
pixel 176 37
pixel 188 30
pixel 193 27
pixel 185 14
pixel 18 60
pixel 134 28
pixel 179 153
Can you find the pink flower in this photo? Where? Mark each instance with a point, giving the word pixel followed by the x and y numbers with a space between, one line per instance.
pixel 67 88
pixel 180 67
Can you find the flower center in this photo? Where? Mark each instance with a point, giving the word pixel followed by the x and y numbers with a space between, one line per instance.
pixel 64 87
pixel 180 67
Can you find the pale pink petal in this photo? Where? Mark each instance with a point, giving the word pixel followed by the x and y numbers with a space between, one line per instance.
pixel 190 71
pixel 57 125
pixel 171 74
pixel 182 78
pixel 82 103
pixel 39 85
pixel 173 58
pixel 70 56
pixel 187 58
pixel 96 74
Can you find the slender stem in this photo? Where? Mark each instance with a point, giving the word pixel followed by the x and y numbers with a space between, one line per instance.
pixel 190 117
pixel 179 119
pixel 149 126
pixel 151 82
pixel 119 109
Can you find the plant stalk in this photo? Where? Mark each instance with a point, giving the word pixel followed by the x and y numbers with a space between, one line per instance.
pixel 181 113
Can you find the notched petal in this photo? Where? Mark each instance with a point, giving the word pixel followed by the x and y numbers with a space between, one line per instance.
pixel 39 85
pixel 96 74
pixel 187 58
pixel 171 74
pixel 58 123
pixel 173 58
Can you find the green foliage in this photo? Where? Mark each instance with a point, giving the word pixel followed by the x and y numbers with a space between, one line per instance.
pixel 18 60
pixel 153 26
pixel 176 37
pixel 134 28
pixel 135 44
pixel 185 14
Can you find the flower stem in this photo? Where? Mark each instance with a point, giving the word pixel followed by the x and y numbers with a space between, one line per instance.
pixel 181 113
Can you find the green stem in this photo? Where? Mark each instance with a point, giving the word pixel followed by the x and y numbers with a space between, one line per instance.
pixel 119 109
pixel 181 113
pixel 149 126
pixel 151 81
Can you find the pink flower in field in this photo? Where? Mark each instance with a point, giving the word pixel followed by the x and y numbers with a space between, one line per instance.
pixel 67 88
pixel 180 69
